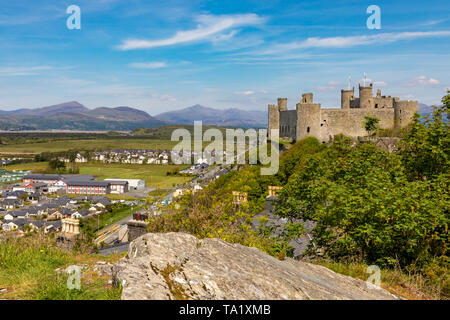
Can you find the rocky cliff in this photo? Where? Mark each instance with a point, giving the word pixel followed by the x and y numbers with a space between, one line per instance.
pixel 180 266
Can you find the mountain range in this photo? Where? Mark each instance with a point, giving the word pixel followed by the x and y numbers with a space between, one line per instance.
pixel 75 116
pixel 223 118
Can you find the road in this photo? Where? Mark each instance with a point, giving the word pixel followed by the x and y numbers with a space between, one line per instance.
pixel 110 230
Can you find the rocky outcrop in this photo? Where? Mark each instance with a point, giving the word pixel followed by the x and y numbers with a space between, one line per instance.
pixel 180 266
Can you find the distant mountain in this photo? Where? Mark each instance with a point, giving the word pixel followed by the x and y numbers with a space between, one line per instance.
pixel 215 117
pixel 424 110
pixel 74 116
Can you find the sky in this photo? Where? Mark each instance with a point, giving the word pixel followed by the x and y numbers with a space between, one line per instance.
pixel 160 56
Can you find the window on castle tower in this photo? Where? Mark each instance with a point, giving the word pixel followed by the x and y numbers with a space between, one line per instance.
pixel 307 129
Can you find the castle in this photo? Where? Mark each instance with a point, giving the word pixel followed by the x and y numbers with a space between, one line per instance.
pixel 309 119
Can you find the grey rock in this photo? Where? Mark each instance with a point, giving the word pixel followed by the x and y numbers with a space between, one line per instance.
pixel 177 265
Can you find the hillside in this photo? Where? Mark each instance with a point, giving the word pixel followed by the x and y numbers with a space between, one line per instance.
pixel 223 118
pixel 352 203
pixel 74 116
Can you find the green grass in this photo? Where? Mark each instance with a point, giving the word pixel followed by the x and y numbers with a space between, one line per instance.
pixel 153 174
pixel 408 285
pixel 28 271
pixel 87 144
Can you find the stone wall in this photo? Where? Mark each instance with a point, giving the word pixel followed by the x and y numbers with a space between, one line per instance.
pixel 288 124
pixel 350 122
pixel 136 229
pixel 273 119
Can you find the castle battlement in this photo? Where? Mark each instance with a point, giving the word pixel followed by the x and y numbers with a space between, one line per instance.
pixel 310 119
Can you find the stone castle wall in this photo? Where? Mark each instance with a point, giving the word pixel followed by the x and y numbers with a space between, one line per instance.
pixel 288 124
pixel 309 119
pixel 350 122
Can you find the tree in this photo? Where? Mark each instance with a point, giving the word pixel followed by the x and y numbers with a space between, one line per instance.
pixel 56 164
pixel 364 207
pixel 425 149
pixel 371 124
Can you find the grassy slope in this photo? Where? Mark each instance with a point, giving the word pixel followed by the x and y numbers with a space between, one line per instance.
pixel 28 271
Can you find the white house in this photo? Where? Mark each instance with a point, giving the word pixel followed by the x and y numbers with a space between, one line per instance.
pixel 8 217
pixel 9 226
pixel 59 185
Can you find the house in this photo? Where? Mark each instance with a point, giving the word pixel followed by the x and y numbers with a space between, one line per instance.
pixel 10 203
pixel 51 226
pixel 16 224
pixel 133 184
pixel 58 186
pixel 9 226
pixel 80 214
pixel 8 217
pixel 88 187
pixel 35 196
pixel 36 225
pixel 102 202
pixel 54 215
pixel 42 209
pixel 36 186
pixel 14 194
pixel 118 186
pixel 52 179
pixel 31 211
pixel 48 179
pixel 177 193
pixel 66 212
pixel 19 214
pixel 93 210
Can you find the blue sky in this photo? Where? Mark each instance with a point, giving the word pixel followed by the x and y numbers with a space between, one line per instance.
pixel 164 55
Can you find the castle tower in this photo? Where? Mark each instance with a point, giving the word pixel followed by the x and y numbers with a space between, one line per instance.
pixel 307 98
pixel 282 104
pixel 365 96
pixel 346 97
pixel 403 112
pixel 378 93
pixel 273 119
pixel 308 117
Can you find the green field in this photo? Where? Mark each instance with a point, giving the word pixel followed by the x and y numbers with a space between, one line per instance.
pixel 153 174
pixel 86 144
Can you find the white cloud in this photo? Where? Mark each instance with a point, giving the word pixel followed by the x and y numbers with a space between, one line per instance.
pixel 380 83
pixel 352 41
pixel 421 81
pixel 334 83
pixel 22 71
pixel 433 81
pixel 208 27
pixel 168 97
pixel 148 65
pixel 326 88
pixel 245 93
